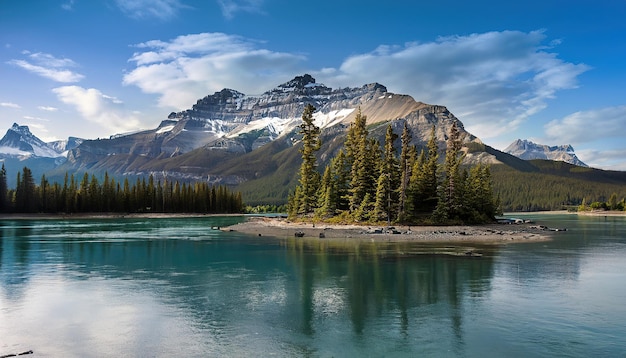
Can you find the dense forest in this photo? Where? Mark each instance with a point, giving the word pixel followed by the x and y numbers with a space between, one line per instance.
pixel 90 196
pixel 367 182
pixel 550 185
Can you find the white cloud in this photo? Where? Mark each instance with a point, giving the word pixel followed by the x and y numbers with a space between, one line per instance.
pixel 231 7
pixel 31 118
pixel 189 67
pixel 145 9
pixel 10 105
pixel 68 6
pixel 613 159
pixel 587 126
pixel 48 66
pixel 47 60
pixel 47 108
pixel 96 107
pixel 492 81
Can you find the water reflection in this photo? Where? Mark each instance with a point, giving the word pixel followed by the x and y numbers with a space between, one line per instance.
pixel 168 287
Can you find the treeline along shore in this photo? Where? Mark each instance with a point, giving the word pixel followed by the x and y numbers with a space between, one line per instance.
pixel 91 195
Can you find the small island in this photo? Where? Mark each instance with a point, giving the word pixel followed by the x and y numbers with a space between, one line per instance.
pixel 479 234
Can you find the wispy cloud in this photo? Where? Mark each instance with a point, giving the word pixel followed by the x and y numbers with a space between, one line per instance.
pixel 68 6
pixel 10 105
pixel 189 67
pixel 492 81
pixel 588 126
pixel 150 9
pixel 231 7
pixel 31 118
pixel 96 107
pixel 48 66
pixel 47 108
pixel 613 159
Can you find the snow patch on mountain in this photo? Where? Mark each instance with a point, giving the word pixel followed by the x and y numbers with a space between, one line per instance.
pixel 324 120
pixel 19 141
pixel 527 150
pixel 165 129
pixel 274 125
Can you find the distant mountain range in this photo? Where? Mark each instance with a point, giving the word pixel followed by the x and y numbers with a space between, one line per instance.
pixel 527 150
pixel 251 142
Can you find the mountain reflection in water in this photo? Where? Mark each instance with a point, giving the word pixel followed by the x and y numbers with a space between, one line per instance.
pixel 159 287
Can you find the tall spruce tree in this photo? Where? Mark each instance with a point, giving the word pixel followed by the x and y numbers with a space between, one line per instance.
pixel 306 199
pixel 357 152
pixel 425 179
pixel 407 158
pixel 3 189
pixel 25 192
pixel 386 207
pixel 451 191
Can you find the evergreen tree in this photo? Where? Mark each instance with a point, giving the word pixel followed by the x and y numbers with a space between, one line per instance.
pixel 385 207
pixel 425 179
pixel 309 181
pixel 358 150
pixel 407 159
pixel 25 192
pixel 341 169
pixel 3 190
pixel 451 190
pixel 327 195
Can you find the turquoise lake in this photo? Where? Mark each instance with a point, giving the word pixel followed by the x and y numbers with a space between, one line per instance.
pixel 179 288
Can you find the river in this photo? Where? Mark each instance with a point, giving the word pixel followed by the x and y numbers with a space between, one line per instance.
pixel 181 288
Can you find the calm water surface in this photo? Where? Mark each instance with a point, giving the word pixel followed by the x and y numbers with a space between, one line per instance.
pixel 178 288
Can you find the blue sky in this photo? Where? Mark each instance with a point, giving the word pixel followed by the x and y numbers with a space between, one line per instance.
pixel 549 71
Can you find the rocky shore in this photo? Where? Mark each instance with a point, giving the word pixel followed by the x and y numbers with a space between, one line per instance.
pixel 484 234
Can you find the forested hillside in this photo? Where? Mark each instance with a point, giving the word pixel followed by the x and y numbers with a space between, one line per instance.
pixel 551 185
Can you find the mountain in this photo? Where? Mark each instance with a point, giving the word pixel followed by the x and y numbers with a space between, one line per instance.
pixel 20 148
pixel 225 136
pixel 527 150
pixel 251 143
pixel 20 142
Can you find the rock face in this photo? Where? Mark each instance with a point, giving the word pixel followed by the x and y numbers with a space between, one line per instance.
pixel 528 150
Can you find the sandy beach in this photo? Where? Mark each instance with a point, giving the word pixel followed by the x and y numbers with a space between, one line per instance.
pixel 484 234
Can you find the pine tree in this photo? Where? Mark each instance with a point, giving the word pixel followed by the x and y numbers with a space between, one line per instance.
pixel 425 179
pixel 25 192
pixel 340 168
pixel 327 195
pixel 358 149
pixel 451 190
pixel 385 207
pixel 309 181
pixel 407 158
pixel 3 190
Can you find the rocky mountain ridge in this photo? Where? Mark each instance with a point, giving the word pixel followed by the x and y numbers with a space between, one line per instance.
pixel 527 150
pixel 229 124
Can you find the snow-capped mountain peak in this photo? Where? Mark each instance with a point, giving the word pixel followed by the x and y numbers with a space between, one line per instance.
pixel 19 141
pixel 527 150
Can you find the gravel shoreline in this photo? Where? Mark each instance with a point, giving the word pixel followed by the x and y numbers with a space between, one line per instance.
pixel 484 234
